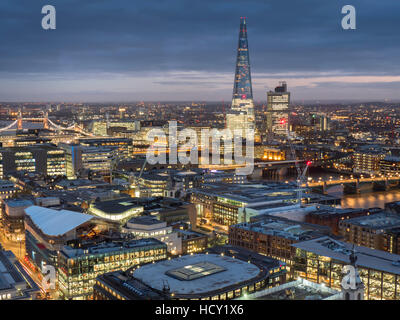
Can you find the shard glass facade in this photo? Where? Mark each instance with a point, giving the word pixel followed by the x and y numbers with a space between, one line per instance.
pixel 241 116
pixel 242 89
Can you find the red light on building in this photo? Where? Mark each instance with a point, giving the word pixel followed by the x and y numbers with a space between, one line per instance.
pixel 309 163
pixel 283 121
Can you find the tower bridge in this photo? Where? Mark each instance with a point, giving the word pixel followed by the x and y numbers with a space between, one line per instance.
pixel 47 124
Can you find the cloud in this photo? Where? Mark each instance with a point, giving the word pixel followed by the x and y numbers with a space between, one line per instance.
pixel 179 45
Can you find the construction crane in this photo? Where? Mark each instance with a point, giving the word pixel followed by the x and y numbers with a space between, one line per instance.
pixel 300 174
pixel 137 179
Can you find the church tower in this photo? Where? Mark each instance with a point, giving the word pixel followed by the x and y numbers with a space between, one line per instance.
pixel 352 286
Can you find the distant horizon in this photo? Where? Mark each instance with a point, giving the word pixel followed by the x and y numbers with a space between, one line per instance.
pixel 227 103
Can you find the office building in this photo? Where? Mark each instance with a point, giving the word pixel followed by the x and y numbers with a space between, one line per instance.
pixel 13 217
pixel 122 146
pixel 119 210
pixel 48 230
pixel 92 159
pixel 149 227
pixel 390 166
pixel 278 110
pixel 331 216
pixel 379 231
pixel 299 289
pixel 191 241
pixel 322 260
pixel 104 128
pixel 79 267
pixel 224 273
pixel 274 236
pixel 367 161
pixel 224 205
pixel 44 159
pixel 7 189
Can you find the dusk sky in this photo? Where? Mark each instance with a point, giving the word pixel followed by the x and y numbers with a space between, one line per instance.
pixel 154 50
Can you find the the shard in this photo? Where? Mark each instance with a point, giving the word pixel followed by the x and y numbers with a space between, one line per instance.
pixel 241 115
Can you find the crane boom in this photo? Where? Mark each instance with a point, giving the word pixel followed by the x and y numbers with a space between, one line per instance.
pixel 300 174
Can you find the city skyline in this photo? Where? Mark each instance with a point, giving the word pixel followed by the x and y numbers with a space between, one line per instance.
pixel 178 53
pixel 235 199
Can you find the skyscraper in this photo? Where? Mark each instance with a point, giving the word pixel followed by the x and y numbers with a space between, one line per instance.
pixel 241 115
pixel 278 110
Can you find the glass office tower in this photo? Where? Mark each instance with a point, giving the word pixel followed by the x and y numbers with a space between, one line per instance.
pixel 241 115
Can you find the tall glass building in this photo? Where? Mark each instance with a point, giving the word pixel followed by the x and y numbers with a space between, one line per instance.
pixel 241 115
pixel 278 110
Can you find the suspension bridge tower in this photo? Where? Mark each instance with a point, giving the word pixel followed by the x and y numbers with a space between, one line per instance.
pixel 19 122
pixel 46 120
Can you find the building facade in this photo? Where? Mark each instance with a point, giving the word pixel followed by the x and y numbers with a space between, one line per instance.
pixel 223 273
pixel 378 231
pixel 79 267
pixel 322 260
pixel 278 110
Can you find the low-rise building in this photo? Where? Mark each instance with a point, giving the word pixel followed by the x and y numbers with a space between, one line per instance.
pixel 150 227
pixel 192 242
pixel 120 210
pixel 7 189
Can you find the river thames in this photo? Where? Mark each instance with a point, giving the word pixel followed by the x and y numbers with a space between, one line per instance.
pixel 367 200
pixel 363 200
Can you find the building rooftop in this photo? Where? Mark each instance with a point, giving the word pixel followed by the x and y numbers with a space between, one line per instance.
pixel 8 275
pixel 249 193
pixel 189 234
pixel 392 158
pixel 382 220
pixel 116 206
pixel 196 274
pixel 300 289
pixel 282 227
pixel 81 195
pixel 13 203
pixel 323 210
pixel 13 279
pixel 145 220
pixel 129 287
pixel 6 183
pixel 54 222
pixel 366 257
